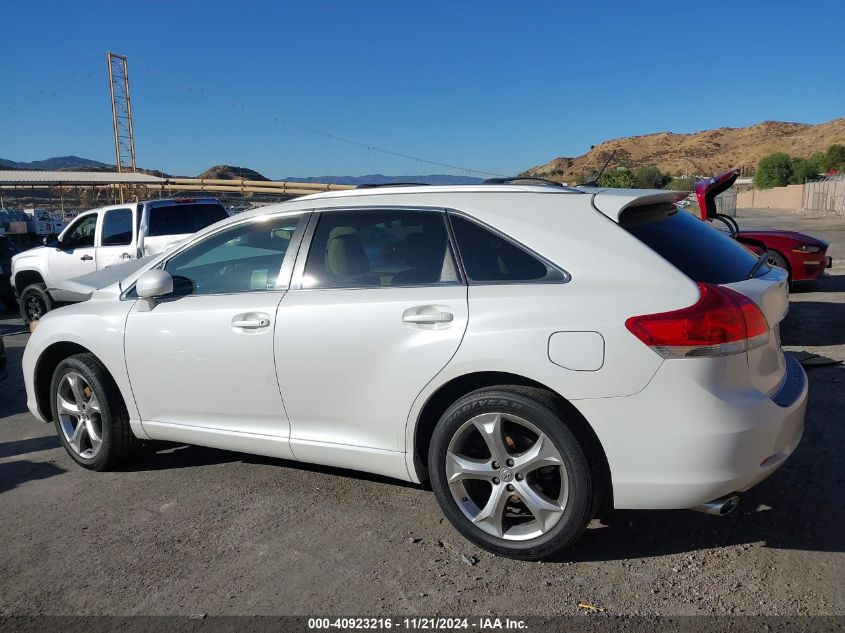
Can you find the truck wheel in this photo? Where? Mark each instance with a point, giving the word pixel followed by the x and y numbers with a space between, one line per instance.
pixel 35 302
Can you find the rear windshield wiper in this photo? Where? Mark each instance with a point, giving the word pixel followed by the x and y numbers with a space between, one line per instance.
pixel 764 258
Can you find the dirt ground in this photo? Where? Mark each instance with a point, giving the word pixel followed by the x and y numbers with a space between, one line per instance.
pixel 187 530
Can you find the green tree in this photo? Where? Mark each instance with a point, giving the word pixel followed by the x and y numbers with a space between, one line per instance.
pixel 621 178
pixel 808 168
pixel 835 156
pixel 774 170
pixel 649 177
pixel 682 183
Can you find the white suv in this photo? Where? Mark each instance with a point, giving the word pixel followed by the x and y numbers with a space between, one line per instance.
pixel 535 352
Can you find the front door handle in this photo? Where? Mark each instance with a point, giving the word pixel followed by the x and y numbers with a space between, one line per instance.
pixel 126 256
pixel 86 258
pixel 251 321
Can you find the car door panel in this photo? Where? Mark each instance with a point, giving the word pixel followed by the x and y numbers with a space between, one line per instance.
pixel 193 362
pixel 350 366
pixel 75 254
pixel 116 237
pixel 202 358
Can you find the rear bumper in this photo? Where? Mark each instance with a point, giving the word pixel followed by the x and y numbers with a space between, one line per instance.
pixel 691 436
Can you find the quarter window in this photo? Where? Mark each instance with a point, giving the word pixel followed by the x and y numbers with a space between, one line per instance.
pixel 374 248
pixel 81 234
pixel 245 258
pixel 490 258
pixel 117 228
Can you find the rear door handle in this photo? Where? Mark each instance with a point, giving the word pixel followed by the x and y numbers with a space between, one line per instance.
pixel 431 315
pixel 438 317
pixel 251 321
pixel 86 258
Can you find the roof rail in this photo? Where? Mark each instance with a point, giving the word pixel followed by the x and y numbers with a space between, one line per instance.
pixel 530 180
pixel 376 185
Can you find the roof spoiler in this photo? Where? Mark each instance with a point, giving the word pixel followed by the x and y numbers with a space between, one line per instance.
pixel 706 191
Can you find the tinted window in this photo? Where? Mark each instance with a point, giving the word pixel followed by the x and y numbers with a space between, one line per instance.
pixel 117 228
pixel 177 219
pixel 488 257
pixel 245 258
pixel 81 233
pixel 699 251
pixel 355 249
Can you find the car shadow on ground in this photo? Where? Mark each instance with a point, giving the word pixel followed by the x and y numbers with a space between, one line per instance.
pixel 15 473
pixel 814 323
pixel 828 283
pixel 31 445
pixel 12 392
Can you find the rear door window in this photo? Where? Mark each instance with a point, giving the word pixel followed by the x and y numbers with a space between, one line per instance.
pixel 378 248
pixel 491 258
pixel 182 218
pixel 117 228
pixel 699 251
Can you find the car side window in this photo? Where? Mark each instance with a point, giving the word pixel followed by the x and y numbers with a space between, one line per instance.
pixel 117 228
pixel 245 258
pixel 490 258
pixel 377 248
pixel 81 234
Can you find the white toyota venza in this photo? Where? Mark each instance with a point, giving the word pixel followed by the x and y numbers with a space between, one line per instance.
pixel 535 352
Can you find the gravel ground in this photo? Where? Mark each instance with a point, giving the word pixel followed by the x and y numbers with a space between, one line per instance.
pixel 188 530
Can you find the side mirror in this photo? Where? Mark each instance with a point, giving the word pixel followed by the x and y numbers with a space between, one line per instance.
pixel 154 283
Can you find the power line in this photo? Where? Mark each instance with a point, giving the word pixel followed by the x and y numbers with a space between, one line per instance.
pixel 367 146
pixel 51 90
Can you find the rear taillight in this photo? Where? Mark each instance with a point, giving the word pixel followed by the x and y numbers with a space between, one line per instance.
pixel 720 323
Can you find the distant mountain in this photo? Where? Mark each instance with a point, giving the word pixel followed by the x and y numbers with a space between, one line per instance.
pixel 54 164
pixel 230 172
pixel 705 152
pixel 380 179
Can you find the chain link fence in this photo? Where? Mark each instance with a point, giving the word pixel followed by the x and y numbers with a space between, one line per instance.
pixel 825 195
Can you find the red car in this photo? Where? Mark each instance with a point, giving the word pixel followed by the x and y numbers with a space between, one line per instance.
pixel 802 256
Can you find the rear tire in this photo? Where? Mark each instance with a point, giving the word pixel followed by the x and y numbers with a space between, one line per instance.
pixel 34 302
pixel 89 414
pixel 530 512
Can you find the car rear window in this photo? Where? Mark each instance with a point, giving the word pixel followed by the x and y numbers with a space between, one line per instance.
pixel 701 252
pixel 178 219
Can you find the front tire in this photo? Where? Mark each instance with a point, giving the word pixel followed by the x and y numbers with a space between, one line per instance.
pixel 89 414
pixel 510 475
pixel 34 302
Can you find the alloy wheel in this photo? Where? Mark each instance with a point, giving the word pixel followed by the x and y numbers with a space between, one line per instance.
pixel 507 476
pixel 35 308
pixel 80 417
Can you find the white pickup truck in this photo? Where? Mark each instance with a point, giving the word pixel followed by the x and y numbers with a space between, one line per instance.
pixel 102 237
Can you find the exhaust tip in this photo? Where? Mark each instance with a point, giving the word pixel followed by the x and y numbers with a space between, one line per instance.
pixel 719 507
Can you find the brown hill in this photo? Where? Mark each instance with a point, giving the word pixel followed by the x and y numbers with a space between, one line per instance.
pixel 228 172
pixel 705 152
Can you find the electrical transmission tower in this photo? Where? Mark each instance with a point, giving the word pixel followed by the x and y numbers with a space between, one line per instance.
pixel 121 110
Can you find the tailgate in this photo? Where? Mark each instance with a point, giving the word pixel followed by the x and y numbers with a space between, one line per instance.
pixel 766 363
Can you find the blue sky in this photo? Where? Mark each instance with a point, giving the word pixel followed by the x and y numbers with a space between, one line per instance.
pixel 492 86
